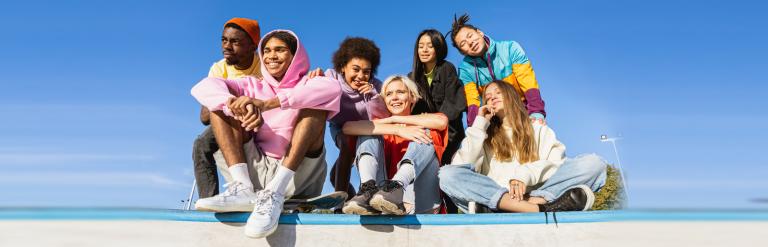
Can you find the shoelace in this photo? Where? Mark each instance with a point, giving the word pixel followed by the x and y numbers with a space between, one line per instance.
pixel 367 188
pixel 232 188
pixel 558 206
pixel 265 200
pixel 390 185
pixel 554 216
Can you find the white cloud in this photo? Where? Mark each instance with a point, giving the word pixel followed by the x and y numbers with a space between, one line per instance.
pixel 120 179
pixel 86 108
pixel 32 158
pixel 699 183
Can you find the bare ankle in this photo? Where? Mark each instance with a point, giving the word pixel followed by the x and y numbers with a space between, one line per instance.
pixel 537 200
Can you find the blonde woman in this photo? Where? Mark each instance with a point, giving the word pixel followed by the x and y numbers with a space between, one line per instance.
pixel 505 155
pixel 401 154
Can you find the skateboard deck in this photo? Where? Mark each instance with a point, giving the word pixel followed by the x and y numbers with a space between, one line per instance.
pixel 325 201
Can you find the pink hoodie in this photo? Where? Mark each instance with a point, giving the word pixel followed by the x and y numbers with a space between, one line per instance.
pixel 295 92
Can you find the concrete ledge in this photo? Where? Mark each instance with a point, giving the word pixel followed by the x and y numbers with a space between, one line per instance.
pixel 331 219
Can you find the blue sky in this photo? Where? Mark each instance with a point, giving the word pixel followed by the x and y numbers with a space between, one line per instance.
pixel 96 109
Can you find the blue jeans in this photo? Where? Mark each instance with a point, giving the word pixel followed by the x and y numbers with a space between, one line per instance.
pixel 424 192
pixel 463 185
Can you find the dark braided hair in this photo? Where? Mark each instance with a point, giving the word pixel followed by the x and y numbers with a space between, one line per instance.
pixel 458 24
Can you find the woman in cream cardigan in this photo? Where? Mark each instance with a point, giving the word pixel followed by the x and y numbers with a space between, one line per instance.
pixel 510 164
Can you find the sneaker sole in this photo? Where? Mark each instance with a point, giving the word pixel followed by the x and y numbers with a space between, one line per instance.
pixel 260 234
pixel 217 208
pixel 386 207
pixel 590 197
pixel 354 208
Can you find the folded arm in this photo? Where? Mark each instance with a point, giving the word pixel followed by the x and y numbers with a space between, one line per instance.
pixel 435 121
pixel 214 93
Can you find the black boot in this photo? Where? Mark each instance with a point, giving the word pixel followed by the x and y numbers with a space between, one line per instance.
pixel 579 198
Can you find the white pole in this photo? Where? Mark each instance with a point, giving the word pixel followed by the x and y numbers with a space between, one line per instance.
pixel 623 179
pixel 191 193
pixel 604 138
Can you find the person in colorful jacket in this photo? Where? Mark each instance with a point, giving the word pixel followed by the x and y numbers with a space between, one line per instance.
pixel 401 154
pixel 255 120
pixel 510 164
pixel 486 60
pixel 354 65
pixel 238 44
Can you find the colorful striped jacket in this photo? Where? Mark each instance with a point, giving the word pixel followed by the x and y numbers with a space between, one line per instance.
pixel 509 63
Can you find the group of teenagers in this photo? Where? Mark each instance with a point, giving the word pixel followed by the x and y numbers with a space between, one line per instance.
pixel 267 114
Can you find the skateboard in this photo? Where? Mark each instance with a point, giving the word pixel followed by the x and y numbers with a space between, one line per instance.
pixel 325 201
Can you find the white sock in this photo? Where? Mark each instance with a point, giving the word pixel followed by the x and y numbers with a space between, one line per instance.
pixel 367 166
pixel 405 174
pixel 239 173
pixel 282 177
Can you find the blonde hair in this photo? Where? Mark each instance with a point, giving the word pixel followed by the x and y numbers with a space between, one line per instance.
pixel 522 146
pixel 415 95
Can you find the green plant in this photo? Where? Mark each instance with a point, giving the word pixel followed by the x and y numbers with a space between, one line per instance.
pixel 611 196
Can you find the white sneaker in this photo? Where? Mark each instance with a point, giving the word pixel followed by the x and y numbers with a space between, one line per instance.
pixel 237 198
pixel 265 215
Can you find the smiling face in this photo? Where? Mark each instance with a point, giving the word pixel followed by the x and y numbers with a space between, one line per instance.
pixel 398 98
pixel 357 72
pixel 493 97
pixel 277 57
pixel 470 42
pixel 427 52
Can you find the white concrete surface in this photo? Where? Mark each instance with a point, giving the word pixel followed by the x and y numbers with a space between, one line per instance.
pixel 86 233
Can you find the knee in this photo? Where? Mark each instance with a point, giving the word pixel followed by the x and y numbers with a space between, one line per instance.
pixel 591 164
pixel 448 175
pixel 421 146
pixel 368 139
pixel 199 142
pixel 313 115
pixel 218 118
pixel 201 146
pixel 367 144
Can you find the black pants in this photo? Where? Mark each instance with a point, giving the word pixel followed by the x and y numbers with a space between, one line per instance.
pixel 451 149
pixel 206 173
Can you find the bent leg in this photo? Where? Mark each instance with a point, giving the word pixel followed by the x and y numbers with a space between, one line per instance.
pixel 426 188
pixel 420 156
pixel 307 139
pixel 369 157
pixel 206 173
pixel 230 137
pixel 424 193
pixel 342 169
pixel 589 170
pixel 463 185
pixel 305 158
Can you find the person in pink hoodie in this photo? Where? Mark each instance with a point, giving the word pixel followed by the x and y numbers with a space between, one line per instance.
pixel 270 132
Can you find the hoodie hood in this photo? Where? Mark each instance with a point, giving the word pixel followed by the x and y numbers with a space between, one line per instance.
pixel 296 71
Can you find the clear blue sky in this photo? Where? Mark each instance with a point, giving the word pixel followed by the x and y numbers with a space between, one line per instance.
pixel 96 109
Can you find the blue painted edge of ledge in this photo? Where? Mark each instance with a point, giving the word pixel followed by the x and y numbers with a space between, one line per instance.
pixel 45 214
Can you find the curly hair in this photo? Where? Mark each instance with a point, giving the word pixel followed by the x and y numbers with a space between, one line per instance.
pixel 356 47
pixel 458 24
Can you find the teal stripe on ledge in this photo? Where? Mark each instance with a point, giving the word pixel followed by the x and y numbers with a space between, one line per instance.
pixel 337 219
